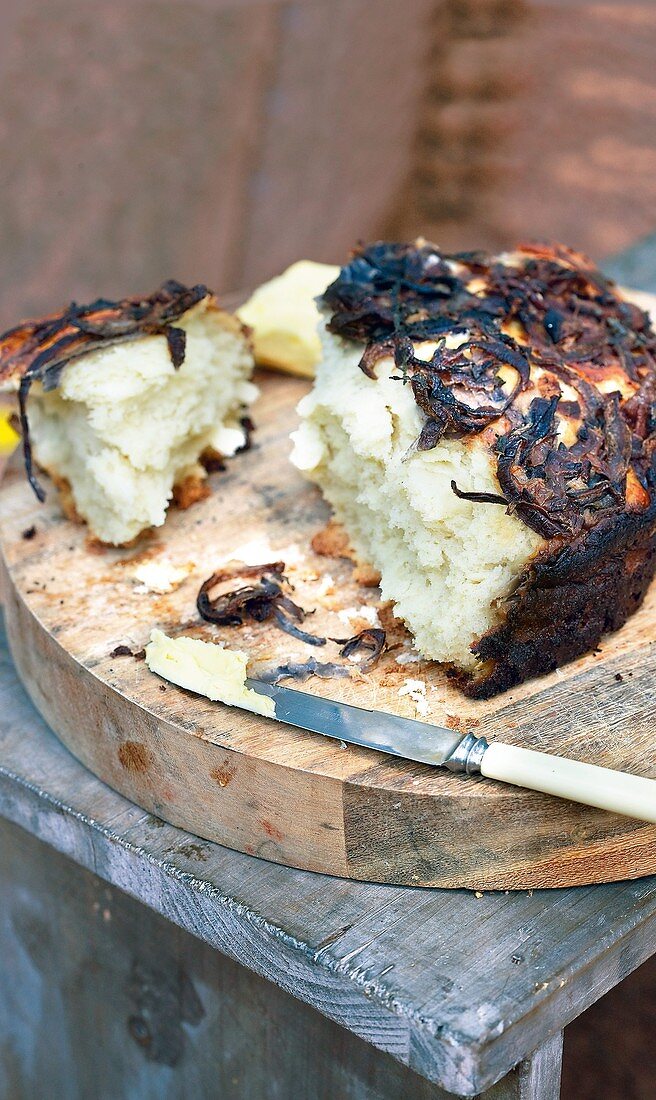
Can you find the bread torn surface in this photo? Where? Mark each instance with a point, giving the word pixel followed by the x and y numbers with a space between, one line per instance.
pixel 444 562
pixel 124 427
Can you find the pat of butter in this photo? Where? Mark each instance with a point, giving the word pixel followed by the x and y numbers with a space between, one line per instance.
pixel 284 317
pixel 207 669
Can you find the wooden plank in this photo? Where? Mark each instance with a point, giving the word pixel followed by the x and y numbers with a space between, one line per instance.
pixel 539 1078
pixel 339 129
pixel 127 1004
pixel 458 987
pixel 204 142
pixel 151 116
pixel 270 790
pixel 211 248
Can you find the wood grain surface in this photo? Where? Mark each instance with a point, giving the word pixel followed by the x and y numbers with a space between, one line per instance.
pixel 264 788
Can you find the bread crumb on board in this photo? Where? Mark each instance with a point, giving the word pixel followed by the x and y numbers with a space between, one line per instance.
pixel 416 690
pixel 160 575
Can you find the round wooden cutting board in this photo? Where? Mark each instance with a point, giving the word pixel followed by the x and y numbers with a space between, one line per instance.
pixel 273 791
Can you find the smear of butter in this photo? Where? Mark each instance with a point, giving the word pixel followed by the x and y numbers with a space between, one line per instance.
pixel 8 437
pixel 206 668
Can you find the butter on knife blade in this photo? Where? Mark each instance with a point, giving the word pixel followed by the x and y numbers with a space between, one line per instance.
pixel 208 669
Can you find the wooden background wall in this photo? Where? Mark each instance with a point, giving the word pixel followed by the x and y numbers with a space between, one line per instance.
pixel 218 140
pixel 539 121
pixel 211 140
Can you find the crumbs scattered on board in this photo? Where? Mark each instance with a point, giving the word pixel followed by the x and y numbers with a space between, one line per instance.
pixel 416 689
pixel 160 575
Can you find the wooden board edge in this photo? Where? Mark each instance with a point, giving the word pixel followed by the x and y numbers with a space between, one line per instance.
pixel 252 806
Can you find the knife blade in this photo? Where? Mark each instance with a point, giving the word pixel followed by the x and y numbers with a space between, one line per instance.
pixel 372 729
pixel 576 780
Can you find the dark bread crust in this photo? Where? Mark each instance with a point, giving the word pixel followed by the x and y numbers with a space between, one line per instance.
pixel 566 600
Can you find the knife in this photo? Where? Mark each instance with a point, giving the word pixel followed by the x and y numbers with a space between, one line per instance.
pixel 589 784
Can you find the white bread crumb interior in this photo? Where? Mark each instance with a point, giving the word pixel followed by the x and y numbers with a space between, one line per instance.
pixel 444 562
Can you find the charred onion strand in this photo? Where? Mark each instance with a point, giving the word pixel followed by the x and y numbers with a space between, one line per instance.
pixel 478 498
pixel 372 639
pixel 260 602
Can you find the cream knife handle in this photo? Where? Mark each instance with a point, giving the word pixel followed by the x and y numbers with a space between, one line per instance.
pixel 618 792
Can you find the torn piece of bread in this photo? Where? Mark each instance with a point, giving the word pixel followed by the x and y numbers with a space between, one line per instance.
pixel 208 669
pixel 485 430
pixel 120 400
pixel 283 317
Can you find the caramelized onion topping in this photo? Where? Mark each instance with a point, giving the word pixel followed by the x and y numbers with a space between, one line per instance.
pixel 478 498
pixel 513 337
